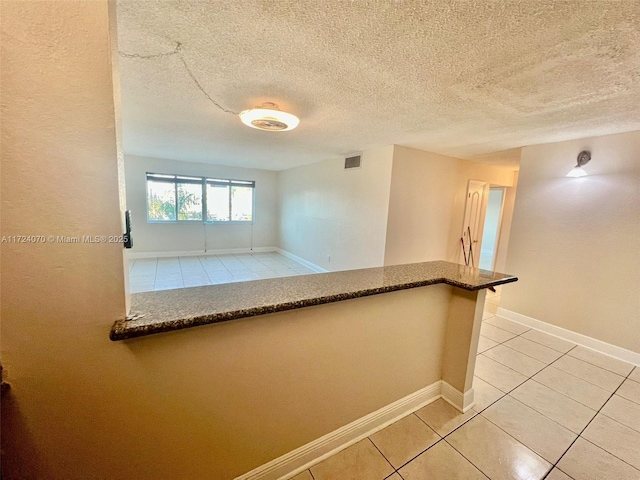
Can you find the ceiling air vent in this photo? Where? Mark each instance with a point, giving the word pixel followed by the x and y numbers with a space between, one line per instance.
pixel 352 162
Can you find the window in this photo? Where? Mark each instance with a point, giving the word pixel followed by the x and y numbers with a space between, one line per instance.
pixel 176 198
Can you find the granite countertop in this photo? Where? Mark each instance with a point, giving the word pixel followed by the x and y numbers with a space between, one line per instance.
pixel 167 310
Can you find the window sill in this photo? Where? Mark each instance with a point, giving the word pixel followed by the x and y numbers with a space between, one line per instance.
pixel 198 222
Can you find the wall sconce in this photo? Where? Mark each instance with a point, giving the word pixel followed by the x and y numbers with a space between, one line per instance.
pixel 583 159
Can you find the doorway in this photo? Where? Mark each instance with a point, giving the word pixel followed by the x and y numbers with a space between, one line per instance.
pixel 491 231
pixel 473 222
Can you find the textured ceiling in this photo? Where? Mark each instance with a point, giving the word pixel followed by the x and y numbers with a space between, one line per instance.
pixel 459 78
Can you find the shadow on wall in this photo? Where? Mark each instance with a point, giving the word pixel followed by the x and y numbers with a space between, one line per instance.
pixel 20 458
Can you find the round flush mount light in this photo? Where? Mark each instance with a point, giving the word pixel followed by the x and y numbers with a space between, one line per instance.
pixel 269 117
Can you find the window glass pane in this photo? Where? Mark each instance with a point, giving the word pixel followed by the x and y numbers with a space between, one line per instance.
pixel 242 204
pixel 217 203
pixel 189 201
pixel 161 200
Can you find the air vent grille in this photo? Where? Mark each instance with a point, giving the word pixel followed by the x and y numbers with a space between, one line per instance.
pixel 352 162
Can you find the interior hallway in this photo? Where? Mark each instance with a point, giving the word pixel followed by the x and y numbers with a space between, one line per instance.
pixel 545 408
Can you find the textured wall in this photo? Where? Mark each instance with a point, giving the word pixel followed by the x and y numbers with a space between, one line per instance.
pixel 60 177
pixel 327 211
pixel 423 186
pixel 492 175
pixel 426 205
pixel 205 403
pixel 575 241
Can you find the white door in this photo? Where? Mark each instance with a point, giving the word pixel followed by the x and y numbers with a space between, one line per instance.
pixel 473 222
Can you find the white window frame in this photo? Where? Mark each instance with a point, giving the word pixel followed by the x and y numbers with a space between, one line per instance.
pixel 203 181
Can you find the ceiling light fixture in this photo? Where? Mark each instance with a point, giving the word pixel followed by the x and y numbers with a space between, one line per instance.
pixel 583 159
pixel 269 117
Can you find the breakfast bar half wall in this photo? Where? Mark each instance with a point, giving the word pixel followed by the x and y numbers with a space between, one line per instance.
pixel 280 373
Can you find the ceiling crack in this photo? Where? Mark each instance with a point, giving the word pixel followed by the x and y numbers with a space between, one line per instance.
pixel 178 51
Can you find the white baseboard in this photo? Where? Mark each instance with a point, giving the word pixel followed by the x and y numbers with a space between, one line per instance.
pixel 463 402
pixel 314 452
pixel 196 253
pixel 304 262
pixel 589 342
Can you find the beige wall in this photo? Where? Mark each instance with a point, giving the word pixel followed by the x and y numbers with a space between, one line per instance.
pixel 426 205
pixel 60 177
pixel 209 402
pixel 575 242
pixel 233 396
pixel 154 237
pixel 493 176
pixel 204 403
pixel 327 211
pixel 420 206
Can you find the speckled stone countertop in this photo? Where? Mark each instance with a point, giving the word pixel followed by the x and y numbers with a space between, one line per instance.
pixel 167 310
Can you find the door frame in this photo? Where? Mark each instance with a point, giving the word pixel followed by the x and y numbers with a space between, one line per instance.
pixel 496 245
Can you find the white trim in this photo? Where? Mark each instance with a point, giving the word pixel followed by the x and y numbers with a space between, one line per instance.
pixel 302 458
pixel 304 262
pixel 454 397
pixel 589 342
pixel 496 244
pixel 195 253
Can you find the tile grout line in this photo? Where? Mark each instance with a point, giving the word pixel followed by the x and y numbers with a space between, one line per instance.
pixel 555 391
pixel 509 394
pixel 507 366
pixel 503 393
pixel 607 451
pixel 462 454
pixel 531 328
pixel 633 381
pixel 564 394
pixel 499 328
pixel 440 438
pixel 617 421
pixel 587 426
pixel 580 378
pixel 181 271
pixel 540 413
pixel 514 350
pixel 603 368
pixel 155 273
pixel 522 353
pixel 497 426
pixel 561 471
pixel 517 440
pixel 383 456
pixel 553 465
pixel 563 354
pixel 525 446
pixel 205 270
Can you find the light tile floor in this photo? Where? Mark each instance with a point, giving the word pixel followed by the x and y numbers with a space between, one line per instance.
pixel 149 274
pixel 545 408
